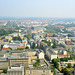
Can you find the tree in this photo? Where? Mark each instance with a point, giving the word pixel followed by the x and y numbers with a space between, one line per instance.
pixel 28 36
pixel 53 69
pixel 38 60
pixel 20 49
pixel 9 41
pixel 10 48
pixel 69 65
pixel 55 62
pixel 3 37
pixel 54 45
pixel 37 63
pixel 5 32
pixel 63 59
pixel 48 42
pixel 17 38
pixel 4 70
pixel 27 47
pixel 65 71
pixel 33 46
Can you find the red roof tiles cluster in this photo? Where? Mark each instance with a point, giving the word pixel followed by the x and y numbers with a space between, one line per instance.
pixel 59 37
pixel 63 55
pixel 5 48
pixel 21 47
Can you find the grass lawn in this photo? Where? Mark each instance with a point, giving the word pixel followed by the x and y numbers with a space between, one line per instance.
pixel 69 69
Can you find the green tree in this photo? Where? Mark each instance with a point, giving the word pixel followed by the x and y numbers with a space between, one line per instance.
pixel 65 71
pixel 38 60
pixel 17 38
pixel 37 63
pixel 20 49
pixel 28 36
pixel 10 48
pixel 69 65
pixel 33 46
pixel 63 59
pixel 53 69
pixel 4 70
pixel 54 45
pixel 27 47
pixel 55 62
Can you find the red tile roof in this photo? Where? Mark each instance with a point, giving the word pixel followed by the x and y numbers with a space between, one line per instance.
pixel 64 55
pixel 21 47
pixel 59 37
pixel 24 41
pixel 5 48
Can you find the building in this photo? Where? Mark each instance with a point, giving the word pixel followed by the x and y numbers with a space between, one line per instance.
pixel 68 41
pixel 40 54
pixel 21 70
pixel 15 70
pixel 51 55
pixel 13 45
pixel 38 71
pixel 9 38
pixel 64 64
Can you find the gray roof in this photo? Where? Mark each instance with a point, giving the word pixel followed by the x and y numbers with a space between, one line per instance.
pixel 51 52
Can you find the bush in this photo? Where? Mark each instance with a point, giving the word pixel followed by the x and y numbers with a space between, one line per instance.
pixel 55 62
pixel 20 49
pixel 65 71
pixel 63 59
pixel 17 38
pixel 27 47
pixel 69 65
pixel 37 63
pixel 48 43
pixel 54 45
pixel 10 48
pixel 28 36
pixel 4 70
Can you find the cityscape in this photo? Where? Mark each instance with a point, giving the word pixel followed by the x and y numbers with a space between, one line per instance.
pixel 36 45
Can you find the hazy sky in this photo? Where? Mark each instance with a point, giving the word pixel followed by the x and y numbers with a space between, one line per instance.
pixel 37 8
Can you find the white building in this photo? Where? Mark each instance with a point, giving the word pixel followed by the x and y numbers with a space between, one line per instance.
pixel 51 55
pixel 40 54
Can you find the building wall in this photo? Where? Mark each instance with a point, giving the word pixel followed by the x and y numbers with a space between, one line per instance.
pixel 4 64
pixel 38 72
pixel 41 56
pixel 14 73
pixel 24 62
pixel 31 53
pixel 53 56
pixel 31 58
pixel 48 54
pixel 16 54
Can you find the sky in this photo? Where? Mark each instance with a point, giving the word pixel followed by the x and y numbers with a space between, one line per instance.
pixel 37 8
